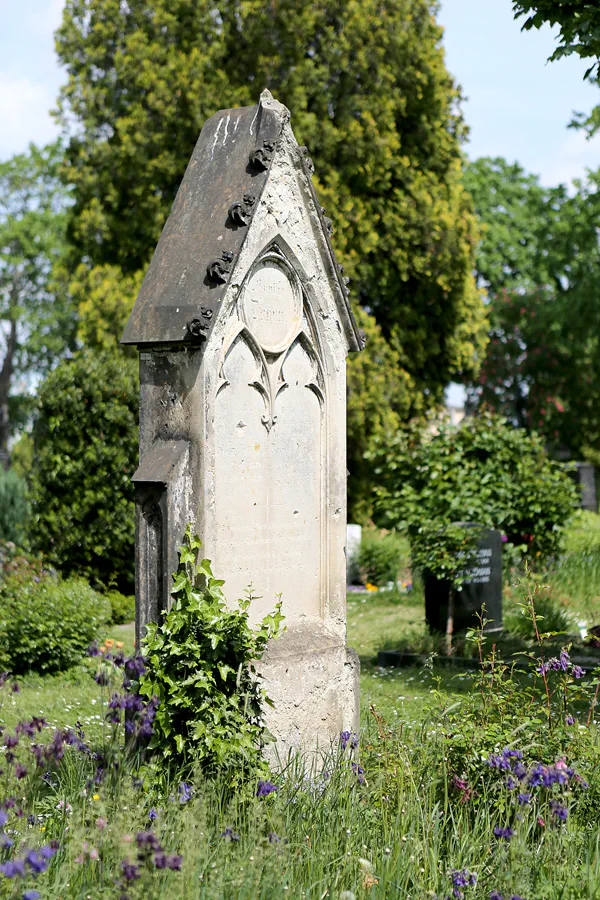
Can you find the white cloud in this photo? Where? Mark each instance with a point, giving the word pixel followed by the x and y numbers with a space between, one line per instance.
pixel 25 114
pixel 573 155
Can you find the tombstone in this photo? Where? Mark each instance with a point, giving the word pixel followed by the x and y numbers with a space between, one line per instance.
pixel 353 543
pixel 482 585
pixel 243 324
pixel 586 479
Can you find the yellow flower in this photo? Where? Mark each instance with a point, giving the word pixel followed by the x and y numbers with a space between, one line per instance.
pixel 371 587
pixel 96 797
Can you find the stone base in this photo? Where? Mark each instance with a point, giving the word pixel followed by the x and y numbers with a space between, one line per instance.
pixel 316 692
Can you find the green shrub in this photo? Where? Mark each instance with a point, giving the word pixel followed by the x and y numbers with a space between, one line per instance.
pixel 553 617
pixel 485 471
pixel 14 508
pixel 382 555
pixel 86 450
pixel 123 607
pixel 200 666
pixel 46 625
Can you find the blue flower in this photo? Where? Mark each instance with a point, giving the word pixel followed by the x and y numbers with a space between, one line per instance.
pixel 503 833
pixel 230 835
pixel 185 792
pixel 577 672
pixel 13 868
pixel 524 799
pixel 3 818
pixel 265 788
pixel 31 895
pixel 152 815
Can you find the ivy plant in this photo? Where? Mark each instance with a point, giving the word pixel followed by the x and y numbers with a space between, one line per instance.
pixel 200 665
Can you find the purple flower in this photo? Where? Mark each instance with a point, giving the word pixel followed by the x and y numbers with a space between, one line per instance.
pixel 463 878
pixel 570 720
pixel 3 819
pixel 559 811
pixel 230 835
pixel 13 868
pixel 498 762
pixel 524 799
pixel 31 895
pixel 152 815
pixel 135 666
pixel 20 771
pixel 359 772
pixel 174 862
pixel 273 839
pixel 511 754
pixel 577 672
pixel 265 788
pixel 564 661
pixel 36 862
pixel 348 737
pixel 537 775
pixel 542 669
pixel 147 842
pixel 102 679
pixel 496 895
pixel 511 783
pixel 503 833
pixel 130 871
pixel 185 792
pixel 93 649
pixel 520 771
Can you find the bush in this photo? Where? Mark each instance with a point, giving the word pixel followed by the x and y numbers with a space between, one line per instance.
pixel 46 625
pixel 14 508
pixel 382 556
pixel 200 666
pixel 484 471
pixel 86 450
pixel 123 607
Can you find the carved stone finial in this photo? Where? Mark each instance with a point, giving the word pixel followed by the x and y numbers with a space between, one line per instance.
pixel 218 270
pixel 261 157
pixel 240 212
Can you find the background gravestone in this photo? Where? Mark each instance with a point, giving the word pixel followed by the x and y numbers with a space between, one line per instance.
pixel 586 479
pixel 482 585
pixel 353 544
pixel 244 324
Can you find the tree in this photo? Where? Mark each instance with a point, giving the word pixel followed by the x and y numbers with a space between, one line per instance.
pixel 370 95
pixel 540 260
pixel 38 324
pixel 85 452
pixel 579 26
pixel 579 32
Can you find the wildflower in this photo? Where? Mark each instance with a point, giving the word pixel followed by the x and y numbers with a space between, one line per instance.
pixel 511 783
pixel 131 872
pixel 119 645
pixel 498 762
pixel 31 895
pixel 152 815
pixel 102 679
pixel 577 672
pixel 503 833
pixel 542 669
pixel 570 720
pixel 147 843
pixel 463 878
pixel 93 649
pixel 359 772
pixel 20 771
pixel 559 811
pixel 3 819
pixel 100 823
pixel 174 862
pixel 95 796
pixel 37 862
pixel 347 737
pixel 524 799
pixel 265 788
pixel 185 792
pixel 496 895
pixel 12 868
pixel 273 839
pixel 541 822
pixel 230 835
pixel 564 661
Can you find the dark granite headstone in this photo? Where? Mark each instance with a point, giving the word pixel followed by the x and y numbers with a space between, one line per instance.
pixel 586 479
pixel 482 585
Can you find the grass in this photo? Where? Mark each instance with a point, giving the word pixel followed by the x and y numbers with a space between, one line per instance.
pixel 397 831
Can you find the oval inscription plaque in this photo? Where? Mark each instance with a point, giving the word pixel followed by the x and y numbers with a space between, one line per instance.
pixel 271 306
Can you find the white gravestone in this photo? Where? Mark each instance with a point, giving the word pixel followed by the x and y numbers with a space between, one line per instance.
pixel 245 325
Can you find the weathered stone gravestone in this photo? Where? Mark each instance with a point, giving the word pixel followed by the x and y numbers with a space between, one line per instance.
pixel 586 479
pixel 243 325
pixel 482 584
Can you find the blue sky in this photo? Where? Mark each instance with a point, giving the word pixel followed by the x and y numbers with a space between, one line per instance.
pixel 517 105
